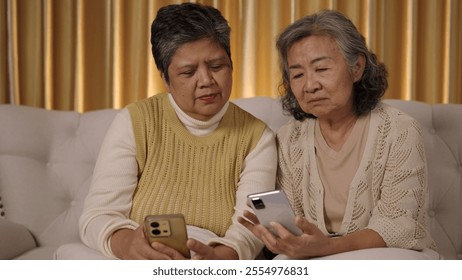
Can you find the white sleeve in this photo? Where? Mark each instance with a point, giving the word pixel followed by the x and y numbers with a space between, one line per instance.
pixel 258 175
pixel 109 200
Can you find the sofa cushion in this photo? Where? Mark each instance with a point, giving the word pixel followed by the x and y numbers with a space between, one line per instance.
pixel 78 251
pixel 50 162
pixel 379 254
pixel 39 253
pixel 266 109
pixel 15 239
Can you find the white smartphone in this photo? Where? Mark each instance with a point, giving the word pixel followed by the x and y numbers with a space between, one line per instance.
pixel 273 206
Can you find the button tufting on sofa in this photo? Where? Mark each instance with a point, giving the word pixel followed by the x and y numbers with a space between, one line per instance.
pixel 47 159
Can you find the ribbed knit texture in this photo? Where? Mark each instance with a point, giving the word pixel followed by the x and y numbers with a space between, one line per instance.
pixel 389 191
pixel 183 173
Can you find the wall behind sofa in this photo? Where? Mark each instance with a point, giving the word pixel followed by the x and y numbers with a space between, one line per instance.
pixel 84 55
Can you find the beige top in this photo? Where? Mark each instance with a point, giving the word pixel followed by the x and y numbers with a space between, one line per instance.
pixel 337 169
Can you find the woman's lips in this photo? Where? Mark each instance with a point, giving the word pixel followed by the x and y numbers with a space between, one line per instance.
pixel 209 98
pixel 315 100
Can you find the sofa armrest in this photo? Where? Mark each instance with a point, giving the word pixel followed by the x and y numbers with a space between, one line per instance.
pixel 15 239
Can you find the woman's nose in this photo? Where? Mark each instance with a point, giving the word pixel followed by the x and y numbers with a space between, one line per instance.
pixel 205 78
pixel 311 84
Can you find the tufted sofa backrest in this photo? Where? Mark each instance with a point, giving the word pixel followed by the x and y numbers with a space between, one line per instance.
pixel 46 164
pixel 47 160
pixel 442 131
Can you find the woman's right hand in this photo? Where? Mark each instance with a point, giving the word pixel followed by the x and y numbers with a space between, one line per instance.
pixel 310 244
pixel 130 244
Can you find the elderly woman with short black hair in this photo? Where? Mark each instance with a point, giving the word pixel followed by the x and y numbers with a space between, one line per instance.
pixel 188 151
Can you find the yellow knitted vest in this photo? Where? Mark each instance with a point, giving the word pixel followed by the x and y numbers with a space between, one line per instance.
pixel 183 173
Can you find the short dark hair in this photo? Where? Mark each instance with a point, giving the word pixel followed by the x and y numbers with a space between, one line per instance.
pixel 367 91
pixel 178 24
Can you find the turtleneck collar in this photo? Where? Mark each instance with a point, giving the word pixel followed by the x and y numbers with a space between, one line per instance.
pixel 197 127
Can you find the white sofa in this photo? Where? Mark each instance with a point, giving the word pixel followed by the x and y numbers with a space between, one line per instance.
pixel 47 159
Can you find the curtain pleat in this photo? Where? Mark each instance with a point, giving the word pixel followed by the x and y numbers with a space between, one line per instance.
pixel 11 53
pixel 85 55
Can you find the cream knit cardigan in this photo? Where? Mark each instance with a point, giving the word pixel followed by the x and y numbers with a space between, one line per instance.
pixel 388 193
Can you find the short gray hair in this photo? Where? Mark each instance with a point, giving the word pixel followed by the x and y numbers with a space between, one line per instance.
pixel 178 24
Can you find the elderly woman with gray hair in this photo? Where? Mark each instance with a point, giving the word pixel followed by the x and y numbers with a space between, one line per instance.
pixel 188 151
pixel 353 168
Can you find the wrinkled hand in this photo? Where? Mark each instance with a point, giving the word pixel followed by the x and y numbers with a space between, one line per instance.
pixel 132 245
pixel 205 252
pixel 310 244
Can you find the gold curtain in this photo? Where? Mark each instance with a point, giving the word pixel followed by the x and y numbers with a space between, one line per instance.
pixel 91 54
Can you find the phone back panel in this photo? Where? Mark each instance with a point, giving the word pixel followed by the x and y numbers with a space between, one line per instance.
pixel 276 209
pixel 169 230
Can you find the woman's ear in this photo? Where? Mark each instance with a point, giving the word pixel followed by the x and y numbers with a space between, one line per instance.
pixel 359 67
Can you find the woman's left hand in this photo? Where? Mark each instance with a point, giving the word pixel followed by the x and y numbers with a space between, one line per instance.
pixel 310 244
pixel 205 252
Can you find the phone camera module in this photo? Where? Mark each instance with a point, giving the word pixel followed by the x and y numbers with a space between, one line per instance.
pixel 258 203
